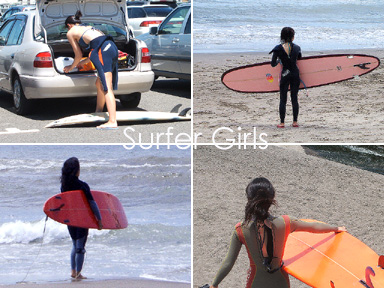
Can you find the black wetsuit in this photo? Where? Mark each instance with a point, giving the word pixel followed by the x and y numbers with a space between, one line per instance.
pixel 79 235
pixel 290 76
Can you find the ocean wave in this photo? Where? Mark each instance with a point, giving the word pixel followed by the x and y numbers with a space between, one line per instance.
pixel 20 232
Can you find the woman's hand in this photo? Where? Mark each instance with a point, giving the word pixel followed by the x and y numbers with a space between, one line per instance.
pixel 99 225
pixel 214 287
pixel 67 68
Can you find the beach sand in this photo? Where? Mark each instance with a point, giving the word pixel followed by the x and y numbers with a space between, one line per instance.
pixel 306 187
pixel 347 112
pixel 134 283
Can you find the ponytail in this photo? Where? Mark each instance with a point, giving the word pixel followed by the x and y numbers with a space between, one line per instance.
pixel 75 19
pixel 260 194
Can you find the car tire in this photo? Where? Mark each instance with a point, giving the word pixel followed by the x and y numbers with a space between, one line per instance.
pixel 130 101
pixel 22 105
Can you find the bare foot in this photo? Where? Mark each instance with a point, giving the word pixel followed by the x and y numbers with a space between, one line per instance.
pixel 108 126
pixel 79 277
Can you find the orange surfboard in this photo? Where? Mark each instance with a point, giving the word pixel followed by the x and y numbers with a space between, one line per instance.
pixel 72 208
pixel 314 71
pixel 332 260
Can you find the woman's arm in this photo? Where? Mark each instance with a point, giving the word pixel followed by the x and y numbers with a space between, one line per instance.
pixel 92 203
pixel 314 227
pixel 229 261
pixel 76 49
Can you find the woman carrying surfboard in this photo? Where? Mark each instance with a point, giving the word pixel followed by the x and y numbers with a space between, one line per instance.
pixel 103 55
pixel 264 237
pixel 70 181
pixel 288 53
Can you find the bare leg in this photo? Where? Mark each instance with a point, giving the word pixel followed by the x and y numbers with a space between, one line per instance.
pixel 110 100
pixel 100 96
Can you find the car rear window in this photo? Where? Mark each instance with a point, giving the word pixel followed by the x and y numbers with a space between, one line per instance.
pixel 136 12
pixel 59 32
pixel 157 11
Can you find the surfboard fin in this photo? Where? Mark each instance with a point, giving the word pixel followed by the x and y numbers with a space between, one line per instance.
pixel 58 208
pixel 176 108
pixel 332 284
pixel 381 261
pixel 185 112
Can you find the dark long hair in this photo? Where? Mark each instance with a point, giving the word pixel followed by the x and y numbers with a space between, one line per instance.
pixel 261 196
pixel 287 35
pixel 69 173
pixel 75 19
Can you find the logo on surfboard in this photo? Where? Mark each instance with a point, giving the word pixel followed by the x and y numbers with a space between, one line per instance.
pixel 269 78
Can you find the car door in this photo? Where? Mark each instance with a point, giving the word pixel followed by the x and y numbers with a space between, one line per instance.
pixel 9 52
pixel 5 54
pixel 166 52
pixel 185 48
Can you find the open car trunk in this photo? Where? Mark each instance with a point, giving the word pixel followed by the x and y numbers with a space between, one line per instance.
pixel 63 54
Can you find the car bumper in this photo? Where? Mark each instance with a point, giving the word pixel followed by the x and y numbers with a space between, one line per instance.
pixel 81 85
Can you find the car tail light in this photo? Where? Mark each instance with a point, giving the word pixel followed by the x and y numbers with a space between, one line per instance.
pixel 145 55
pixel 43 60
pixel 147 23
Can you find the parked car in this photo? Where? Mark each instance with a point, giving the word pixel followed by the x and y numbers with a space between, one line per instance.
pixel 15 9
pixel 170 44
pixel 142 18
pixel 171 3
pixel 32 42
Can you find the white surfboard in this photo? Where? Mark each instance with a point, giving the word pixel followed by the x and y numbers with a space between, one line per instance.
pixel 122 116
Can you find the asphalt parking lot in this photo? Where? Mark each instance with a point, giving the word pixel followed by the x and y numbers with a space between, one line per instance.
pixel 163 96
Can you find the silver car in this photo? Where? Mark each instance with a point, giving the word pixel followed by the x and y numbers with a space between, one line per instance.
pixel 170 44
pixel 33 45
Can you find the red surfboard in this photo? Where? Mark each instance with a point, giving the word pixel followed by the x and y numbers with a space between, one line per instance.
pixel 332 260
pixel 314 71
pixel 72 208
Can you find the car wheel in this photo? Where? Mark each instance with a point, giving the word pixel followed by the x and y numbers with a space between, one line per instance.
pixel 21 104
pixel 131 100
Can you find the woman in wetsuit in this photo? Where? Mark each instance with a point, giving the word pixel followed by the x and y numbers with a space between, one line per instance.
pixel 103 56
pixel 264 237
pixel 69 182
pixel 288 53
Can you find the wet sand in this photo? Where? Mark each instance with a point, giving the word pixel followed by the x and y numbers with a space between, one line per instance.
pixel 134 283
pixel 345 112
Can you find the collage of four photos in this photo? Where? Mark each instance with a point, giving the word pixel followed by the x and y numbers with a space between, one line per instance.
pixel 191 143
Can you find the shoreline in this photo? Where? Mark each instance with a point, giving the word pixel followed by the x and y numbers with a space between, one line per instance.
pixel 337 113
pixel 304 52
pixel 115 283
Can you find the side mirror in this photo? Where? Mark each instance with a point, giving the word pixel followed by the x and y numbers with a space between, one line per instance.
pixel 153 30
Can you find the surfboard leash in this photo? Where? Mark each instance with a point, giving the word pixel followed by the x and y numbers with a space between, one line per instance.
pixel 38 253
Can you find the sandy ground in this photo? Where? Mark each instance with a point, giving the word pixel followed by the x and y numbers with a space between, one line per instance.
pixel 306 187
pixel 134 283
pixel 349 111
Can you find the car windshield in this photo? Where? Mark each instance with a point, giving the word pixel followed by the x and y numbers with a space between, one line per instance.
pixel 59 32
pixel 157 11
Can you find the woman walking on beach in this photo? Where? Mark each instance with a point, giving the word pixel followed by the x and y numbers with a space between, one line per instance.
pixel 104 56
pixel 264 237
pixel 288 53
pixel 69 182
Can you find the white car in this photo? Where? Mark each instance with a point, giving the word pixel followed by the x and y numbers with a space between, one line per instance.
pixel 31 42
pixel 142 18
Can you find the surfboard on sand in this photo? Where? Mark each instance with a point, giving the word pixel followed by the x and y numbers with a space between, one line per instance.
pixel 72 208
pixel 122 116
pixel 314 71
pixel 332 260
